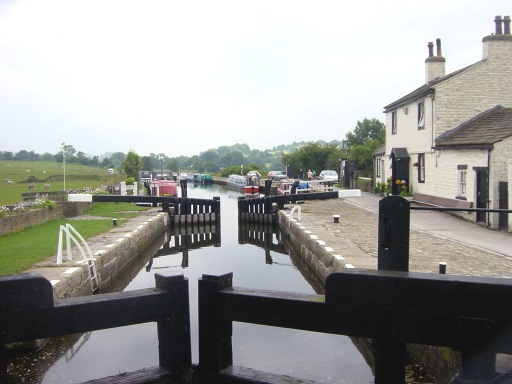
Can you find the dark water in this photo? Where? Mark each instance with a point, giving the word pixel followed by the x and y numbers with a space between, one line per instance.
pixel 320 357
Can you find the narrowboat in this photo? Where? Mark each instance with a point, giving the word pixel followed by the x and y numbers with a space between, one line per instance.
pixel 164 188
pixel 246 184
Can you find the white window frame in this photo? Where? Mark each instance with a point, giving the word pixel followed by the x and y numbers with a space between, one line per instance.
pixel 421 115
pixel 394 123
pixel 462 181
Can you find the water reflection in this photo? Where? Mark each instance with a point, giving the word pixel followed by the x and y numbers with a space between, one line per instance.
pixel 258 259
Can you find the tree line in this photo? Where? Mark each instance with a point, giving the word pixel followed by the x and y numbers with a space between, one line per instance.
pixel 358 146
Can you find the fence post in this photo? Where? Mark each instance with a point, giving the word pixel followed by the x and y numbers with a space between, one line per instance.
pixel 216 210
pixel 393 255
pixel 215 346
pixel 174 345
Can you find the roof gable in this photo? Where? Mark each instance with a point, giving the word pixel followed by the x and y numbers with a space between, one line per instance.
pixel 424 90
pixel 484 129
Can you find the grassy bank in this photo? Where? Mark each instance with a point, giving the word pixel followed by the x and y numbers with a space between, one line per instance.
pixel 21 250
pixel 17 177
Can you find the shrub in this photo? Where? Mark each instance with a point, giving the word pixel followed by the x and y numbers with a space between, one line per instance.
pixel 130 180
pixel 43 202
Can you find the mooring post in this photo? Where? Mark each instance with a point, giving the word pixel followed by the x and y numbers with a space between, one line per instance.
pixel 215 345
pixel 393 255
pixel 174 343
pixel 268 186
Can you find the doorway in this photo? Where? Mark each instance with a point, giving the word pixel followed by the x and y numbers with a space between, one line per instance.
pixel 503 204
pixel 482 193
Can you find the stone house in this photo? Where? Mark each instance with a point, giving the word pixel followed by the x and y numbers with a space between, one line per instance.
pixel 450 140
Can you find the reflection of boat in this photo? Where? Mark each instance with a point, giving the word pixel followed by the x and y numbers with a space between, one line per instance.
pixel 164 188
pixel 246 184
pixel 286 186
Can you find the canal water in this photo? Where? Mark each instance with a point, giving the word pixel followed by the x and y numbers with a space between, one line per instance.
pixel 308 355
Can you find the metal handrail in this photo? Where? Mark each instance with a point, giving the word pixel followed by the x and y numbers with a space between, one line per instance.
pixel 87 258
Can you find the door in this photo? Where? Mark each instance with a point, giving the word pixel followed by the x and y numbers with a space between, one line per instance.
pixel 503 204
pixel 482 193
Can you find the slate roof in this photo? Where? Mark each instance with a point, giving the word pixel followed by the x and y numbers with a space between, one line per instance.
pixel 424 90
pixel 380 151
pixel 399 153
pixel 483 130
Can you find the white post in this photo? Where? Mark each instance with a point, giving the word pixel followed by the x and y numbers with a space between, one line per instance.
pixel 122 188
pixel 64 164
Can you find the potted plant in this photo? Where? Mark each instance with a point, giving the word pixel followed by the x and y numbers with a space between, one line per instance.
pixel 403 190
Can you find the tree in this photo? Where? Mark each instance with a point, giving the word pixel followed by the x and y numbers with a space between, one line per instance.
pixel 233 158
pixel 366 138
pixel 7 155
pixel 314 156
pixel 132 165
pixel 117 159
pixel 366 130
pixel 147 163
pixel 361 155
pixel 210 156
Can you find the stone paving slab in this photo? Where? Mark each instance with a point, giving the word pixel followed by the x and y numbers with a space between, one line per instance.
pixel 355 239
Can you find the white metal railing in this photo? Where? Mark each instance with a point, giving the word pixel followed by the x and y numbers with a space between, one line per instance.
pixel 305 186
pixel 299 215
pixel 87 257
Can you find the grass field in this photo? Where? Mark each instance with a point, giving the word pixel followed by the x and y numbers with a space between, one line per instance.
pixel 19 251
pixel 16 176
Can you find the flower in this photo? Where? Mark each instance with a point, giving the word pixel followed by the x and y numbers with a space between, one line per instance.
pixel 4 210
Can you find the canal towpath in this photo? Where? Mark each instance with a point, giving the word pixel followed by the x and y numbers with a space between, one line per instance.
pixel 435 237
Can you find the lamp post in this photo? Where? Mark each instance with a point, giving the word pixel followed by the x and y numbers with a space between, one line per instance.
pixel 161 167
pixel 64 164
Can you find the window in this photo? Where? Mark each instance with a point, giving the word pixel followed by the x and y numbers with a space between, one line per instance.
pixel 421 115
pixel 421 167
pixel 377 167
pixel 393 123
pixel 463 173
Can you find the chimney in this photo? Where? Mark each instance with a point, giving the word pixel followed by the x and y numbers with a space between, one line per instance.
pixel 497 21
pixel 434 65
pixel 498 45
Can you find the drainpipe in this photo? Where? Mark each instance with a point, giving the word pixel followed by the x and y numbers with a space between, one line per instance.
pixel 488 183
pixel 432 99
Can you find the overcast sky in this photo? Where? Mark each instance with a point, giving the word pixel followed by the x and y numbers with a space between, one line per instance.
pixel 181 77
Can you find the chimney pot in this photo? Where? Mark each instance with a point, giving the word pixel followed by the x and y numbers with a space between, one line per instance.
pixel 430 49
pixel 438 44
pixel 498 22
pixel 506 24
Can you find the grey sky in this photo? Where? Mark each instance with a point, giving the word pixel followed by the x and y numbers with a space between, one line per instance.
pixel 182 77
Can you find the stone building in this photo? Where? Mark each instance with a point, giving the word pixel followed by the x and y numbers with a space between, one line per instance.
pixel 450 140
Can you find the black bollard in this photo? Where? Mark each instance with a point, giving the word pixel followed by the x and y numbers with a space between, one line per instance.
pixel 394 223
pixel 268 185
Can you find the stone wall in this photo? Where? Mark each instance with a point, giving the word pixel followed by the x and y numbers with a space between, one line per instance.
pixel 33 217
